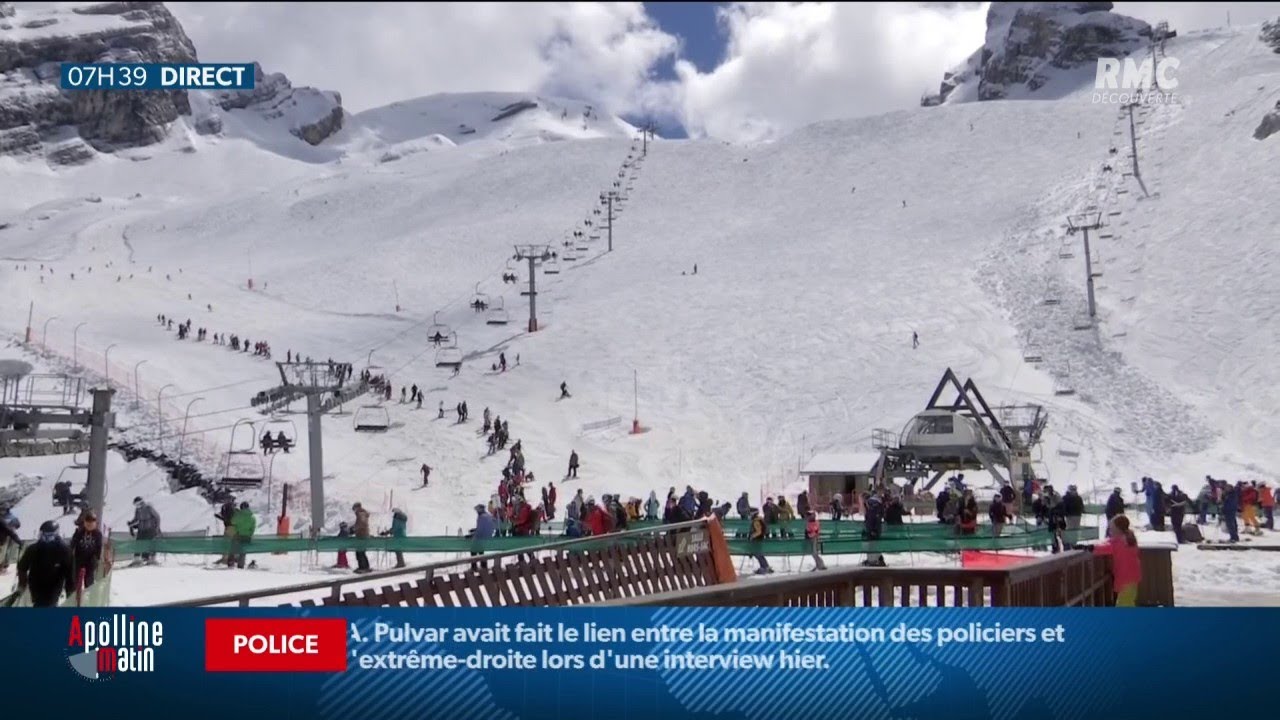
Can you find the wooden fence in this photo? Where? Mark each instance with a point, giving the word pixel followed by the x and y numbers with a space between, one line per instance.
pixel 678 557
pixel 1072 579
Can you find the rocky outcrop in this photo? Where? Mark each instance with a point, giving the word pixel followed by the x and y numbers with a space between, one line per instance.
pixel 1270 35
pixel 35 112
pixel 1027 44
pixel 310 114
pixel 37 117
pixel 1270 124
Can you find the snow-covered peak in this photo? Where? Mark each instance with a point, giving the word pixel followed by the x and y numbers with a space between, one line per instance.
pixel 1037 50
pixel 514 119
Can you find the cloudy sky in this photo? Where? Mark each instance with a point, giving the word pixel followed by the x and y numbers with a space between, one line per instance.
pixel 736 71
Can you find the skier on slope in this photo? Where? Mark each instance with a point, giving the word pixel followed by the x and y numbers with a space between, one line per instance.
pixel 573 464
pixel 426 473
pixel 564 390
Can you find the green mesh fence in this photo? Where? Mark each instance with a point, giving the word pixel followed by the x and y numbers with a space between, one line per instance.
pixel 910 538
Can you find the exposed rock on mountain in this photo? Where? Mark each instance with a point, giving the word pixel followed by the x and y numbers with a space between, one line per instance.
pixel 37 117
pixel 1028 44
pixel 35 114
pixel 312 115
pixel 1270 124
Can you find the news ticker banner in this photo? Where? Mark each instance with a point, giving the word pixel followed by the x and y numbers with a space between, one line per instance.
pixel 634 663
pixel 157 76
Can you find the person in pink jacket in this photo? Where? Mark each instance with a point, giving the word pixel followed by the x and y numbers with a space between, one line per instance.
pixel 1126 562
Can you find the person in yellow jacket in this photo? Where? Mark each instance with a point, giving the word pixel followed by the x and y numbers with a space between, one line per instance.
pixel 786 515
pixel 757 536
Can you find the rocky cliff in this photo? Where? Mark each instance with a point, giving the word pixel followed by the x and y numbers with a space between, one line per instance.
pixel 1027 44
pixel 39 118
pixel 310 114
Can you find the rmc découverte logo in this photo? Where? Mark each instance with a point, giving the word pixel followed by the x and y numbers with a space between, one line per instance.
pixel 103 649
pixel 1121 81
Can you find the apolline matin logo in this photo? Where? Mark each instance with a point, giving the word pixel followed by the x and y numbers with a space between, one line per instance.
pixel 1123 81
pixel 103 649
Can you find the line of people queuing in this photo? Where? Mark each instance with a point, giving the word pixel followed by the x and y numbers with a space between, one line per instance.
pixel 260 349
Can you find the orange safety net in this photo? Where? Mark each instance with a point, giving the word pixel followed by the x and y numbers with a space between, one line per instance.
pixel 980 560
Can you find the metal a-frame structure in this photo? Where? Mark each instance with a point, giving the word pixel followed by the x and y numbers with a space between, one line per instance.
pixel 1007 433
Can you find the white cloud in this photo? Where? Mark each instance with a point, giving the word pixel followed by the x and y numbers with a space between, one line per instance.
pixel 785 65
pixel 791 64
pixel 378 53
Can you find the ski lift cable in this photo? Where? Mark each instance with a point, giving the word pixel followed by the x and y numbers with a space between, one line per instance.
pixel 218 387
pixel 425 321
pixel 401 333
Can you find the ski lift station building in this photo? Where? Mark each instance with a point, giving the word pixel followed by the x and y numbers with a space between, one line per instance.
pixel 844 472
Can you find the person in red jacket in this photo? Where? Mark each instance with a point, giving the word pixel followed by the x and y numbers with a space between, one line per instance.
pixel 1126 562
pixel 1268 502
pixel 522 517
pixel 596 519
pixel 1249 508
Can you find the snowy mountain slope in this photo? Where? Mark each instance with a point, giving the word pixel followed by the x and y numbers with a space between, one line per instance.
pixel 794 334
pixel 510 118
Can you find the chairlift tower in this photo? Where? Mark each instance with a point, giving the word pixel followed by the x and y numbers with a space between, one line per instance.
pixel 534 254
pixel 1083 223
pixel 606 199
pixel 314 380
pixel 29 403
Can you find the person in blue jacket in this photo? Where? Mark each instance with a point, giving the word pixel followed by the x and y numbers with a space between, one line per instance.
pixel 688 503
pixel 1230 508
pixel 399 529
pixel 485 529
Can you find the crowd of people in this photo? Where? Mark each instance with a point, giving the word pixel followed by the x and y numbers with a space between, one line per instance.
pixel 233 341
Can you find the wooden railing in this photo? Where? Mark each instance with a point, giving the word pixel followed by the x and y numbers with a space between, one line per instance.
pixel 1071 579
pixel 677 557
pixel 688 564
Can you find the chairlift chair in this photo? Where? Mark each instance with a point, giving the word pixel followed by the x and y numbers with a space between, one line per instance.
pixel 449 356
pixel 438 332
pixel 551 267
pixel 73 498
pixel 242 469
pixel 278 426
pixel 371 418
pixel 479 301
pixel 498 314
pixel 1032 354
pixel 242 464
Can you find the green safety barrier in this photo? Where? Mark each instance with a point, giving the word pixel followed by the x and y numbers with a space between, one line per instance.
pixel 737 527
pixel 1041 538
pixel 943 539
